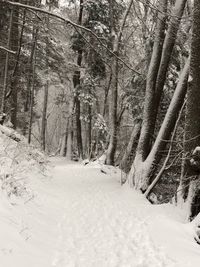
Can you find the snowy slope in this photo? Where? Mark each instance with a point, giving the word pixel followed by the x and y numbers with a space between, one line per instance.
pixel 82 217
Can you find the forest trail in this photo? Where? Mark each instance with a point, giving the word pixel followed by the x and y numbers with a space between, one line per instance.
pixel 100 226
pixel 79 216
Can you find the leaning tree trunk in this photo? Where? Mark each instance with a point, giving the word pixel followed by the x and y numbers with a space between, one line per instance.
pixel 190 183
pixel 168 46
pixel 141 173
pixel 157 72
pixel 148 113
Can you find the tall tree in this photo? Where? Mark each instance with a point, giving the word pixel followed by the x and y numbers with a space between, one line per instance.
pixel 77 82
pixel 116 44
pixel 190 182
pixel 16 45
pixel 156 79
pixel 6 67
pixel 148 113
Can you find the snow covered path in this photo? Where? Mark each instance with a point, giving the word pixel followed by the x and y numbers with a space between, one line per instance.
pixel 81 217
pixel 99 227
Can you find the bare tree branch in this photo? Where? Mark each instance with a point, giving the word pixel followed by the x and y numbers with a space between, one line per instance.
pixel 7 50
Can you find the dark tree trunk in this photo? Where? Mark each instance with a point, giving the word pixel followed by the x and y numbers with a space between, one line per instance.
pixel 46 89
pixel 44 116
pixel 32 89
pixel 110 155
pixel 168 46
pixel 147 130
pixel 89 131
pixel 190 183
pixel 107 89
pixel 14 85
pixel 142 172
pixel 131 146
pixel 77 82
pixel 6 69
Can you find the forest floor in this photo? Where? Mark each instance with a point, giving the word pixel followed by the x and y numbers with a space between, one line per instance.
pixel 82 217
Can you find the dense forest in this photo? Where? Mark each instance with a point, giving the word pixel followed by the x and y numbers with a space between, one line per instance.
pixel 111 79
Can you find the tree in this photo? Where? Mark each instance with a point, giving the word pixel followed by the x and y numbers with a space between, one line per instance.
pixel 144 165
pixel 190 182
pixel 76 81
pixel 117 38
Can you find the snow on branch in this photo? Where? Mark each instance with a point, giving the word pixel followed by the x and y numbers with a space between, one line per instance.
pixel 11 133
pixel 75 25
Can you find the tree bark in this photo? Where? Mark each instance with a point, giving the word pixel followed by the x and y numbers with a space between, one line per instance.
pixel 130 147
pixel 5 81
pixel 142 171
pixel 110 155
pixel 157 72
pixel 16 45
pixel 147 130
pixel 168 46
pixel 190 182
pixel 32 90
pixel 46 91
pixel 77 82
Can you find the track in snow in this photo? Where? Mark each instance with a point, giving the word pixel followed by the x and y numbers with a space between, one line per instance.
pixel 100 225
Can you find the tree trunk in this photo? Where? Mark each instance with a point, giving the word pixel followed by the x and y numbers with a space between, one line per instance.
pixel 69 138
pixel 32 90
pixel 110 155
pixel 157 72
pixel 44 116
pixel 147 130
pixel 190 183
pixel 46 91
pixel 89 130
pixel 63 147
pixel 16 45
pixel 77 82
pixel 5 81
pixel 142 172
pixel 131 145
pixel 107 89
pixel 168 46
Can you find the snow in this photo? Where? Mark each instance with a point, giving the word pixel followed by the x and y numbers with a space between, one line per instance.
pixel 82 217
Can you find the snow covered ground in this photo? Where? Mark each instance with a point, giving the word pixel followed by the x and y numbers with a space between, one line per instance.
pixel 82 217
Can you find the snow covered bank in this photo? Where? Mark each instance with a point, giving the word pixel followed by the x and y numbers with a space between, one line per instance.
pixel 83 217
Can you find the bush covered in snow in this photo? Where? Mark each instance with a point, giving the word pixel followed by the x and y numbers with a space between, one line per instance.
pixel 17 159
